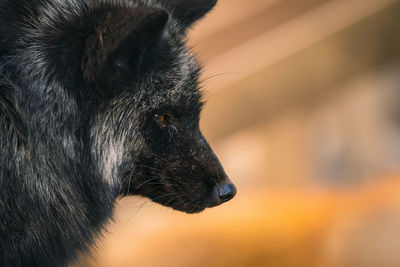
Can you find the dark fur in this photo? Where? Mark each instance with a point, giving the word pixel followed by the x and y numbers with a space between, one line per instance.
pixel 98 99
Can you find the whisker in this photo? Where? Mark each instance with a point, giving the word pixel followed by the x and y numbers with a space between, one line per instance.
pixel 163 176
pixel 134 213
pixel 146 181
pixel 165 195
pixel 129 185
pixel 217 75
pixel 173 198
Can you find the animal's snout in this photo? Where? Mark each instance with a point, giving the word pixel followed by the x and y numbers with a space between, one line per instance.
pixel 221 192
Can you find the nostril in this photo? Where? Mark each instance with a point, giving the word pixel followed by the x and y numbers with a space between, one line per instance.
pixel 226 192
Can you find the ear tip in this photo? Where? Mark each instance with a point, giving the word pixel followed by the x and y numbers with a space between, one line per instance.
pixel 189 11
pixel 207 4
pixel 212 3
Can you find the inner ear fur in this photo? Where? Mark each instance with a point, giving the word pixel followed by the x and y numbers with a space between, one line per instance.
pixel 121 34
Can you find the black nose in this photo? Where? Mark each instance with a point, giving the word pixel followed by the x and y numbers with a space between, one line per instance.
pixel 226 192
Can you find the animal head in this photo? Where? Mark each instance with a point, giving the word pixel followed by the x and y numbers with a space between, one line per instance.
pixel 128 71
pixel 156 143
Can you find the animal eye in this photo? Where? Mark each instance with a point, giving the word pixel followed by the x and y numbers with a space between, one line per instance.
pixel 166 121
pixel 162 120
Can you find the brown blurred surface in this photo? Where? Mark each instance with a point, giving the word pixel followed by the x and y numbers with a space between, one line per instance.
pixel 303 112
pixel 277 226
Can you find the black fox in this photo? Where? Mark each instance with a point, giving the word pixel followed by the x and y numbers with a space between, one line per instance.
pixel 98 99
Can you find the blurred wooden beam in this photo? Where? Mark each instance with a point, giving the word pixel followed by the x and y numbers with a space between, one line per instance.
pixel 225 15
pixel 233 23
pixel 300 62
pixel 287 39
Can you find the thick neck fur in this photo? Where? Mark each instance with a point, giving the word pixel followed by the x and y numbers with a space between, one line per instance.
pixel 51 155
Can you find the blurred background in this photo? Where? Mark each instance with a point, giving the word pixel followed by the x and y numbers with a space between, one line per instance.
pixel 304 113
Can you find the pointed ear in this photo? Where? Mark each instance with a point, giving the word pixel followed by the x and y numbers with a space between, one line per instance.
pixel 121 34
pixel 188 11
